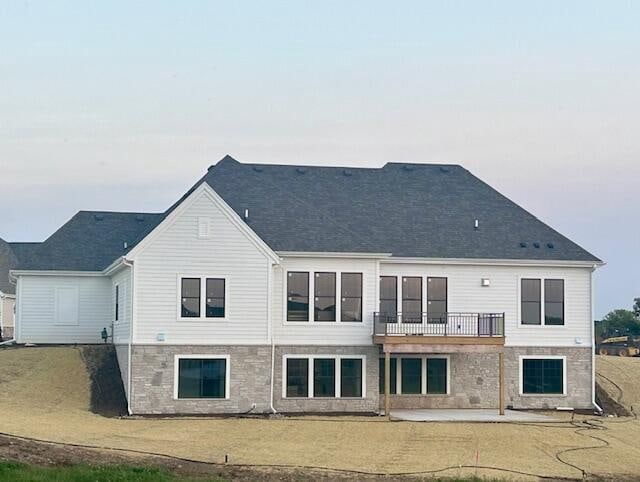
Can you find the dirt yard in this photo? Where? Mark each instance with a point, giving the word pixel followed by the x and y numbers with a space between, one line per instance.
pixel 45 395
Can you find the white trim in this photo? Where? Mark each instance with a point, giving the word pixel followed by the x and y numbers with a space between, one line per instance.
pixel 204 227
pixel 227 374
pixel 543 323
pixel 542 357
pixel 231 215
pixel 311 318
pixel 15 273
pixel 310 377
pixel 203 298
pixel 495 262
pixel 328 254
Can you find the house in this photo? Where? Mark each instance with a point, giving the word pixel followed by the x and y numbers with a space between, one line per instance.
pixel 10 253
pixel 321 289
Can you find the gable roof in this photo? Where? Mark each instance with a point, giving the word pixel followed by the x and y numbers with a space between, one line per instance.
pixel 409 210
pixel 91 241
pixel 8 261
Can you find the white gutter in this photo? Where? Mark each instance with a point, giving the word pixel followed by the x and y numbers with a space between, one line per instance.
pixel 129 394
pixel 495 262
pixel 321 254
pixel 270 334
pixel 593 346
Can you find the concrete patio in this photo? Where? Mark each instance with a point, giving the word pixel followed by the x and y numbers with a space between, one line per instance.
pixel 467 415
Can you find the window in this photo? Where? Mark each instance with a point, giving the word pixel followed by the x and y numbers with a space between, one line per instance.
pixel 117 296
pixel 412 299
pixel 411 376
pixel 298 296
pixel 324 377
pixel 190 297
pixel 553 302
pixel 393 362
pixel 325 297
pixel 542 376
pixel 436 300
pixel 215 297
pixel 388 296
pixel 297 377
pixel 351 299
pixel 202 378
pixel 351 377
pixel 530 301
pixel 437 375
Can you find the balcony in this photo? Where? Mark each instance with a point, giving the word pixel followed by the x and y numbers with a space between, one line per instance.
pixel 443 328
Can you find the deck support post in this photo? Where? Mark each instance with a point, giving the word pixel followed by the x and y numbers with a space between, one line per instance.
pixel 387 384
pixel 501 382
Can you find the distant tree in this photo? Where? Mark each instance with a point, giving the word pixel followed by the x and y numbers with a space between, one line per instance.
pixel 618 323
pixel 636 307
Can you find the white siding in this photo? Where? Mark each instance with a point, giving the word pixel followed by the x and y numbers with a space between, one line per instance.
pixel 121 328
pixel 465 294
pixel 179 251
pixel 36 316
pixel 326 333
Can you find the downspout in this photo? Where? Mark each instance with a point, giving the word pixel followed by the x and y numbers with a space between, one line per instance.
pixel 270 334
pixel 129 394
pixel 593 347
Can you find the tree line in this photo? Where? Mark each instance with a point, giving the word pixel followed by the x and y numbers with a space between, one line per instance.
pixel 620 322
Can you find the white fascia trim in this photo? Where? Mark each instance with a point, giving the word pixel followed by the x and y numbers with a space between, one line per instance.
pixel 15 273
pixel 207 190
pixel 328 254
pixel 496 262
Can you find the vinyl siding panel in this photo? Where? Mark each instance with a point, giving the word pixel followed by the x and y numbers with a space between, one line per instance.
pixel 326 333
pixel 179 251
pixel 38 306
pixel 465 294
pixel 121 328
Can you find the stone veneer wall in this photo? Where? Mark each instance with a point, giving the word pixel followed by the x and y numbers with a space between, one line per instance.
pixel 474 382
pixel 7 333
pixel 367 404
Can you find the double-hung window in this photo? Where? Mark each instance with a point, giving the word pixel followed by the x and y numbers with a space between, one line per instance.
pixel 351 299
pixel 389 297
pixel 542 299
pixel 325 297
pixel 202 377
pixel 298 296
pixel 194 305
pixel 412 299
pixel 436 300
pixel 330 376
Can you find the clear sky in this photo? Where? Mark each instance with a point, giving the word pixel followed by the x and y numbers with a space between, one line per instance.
pixel 123 105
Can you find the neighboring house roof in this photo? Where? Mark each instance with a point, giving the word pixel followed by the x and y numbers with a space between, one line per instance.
pixel 8 261
pixel 408 210
pixel 91 241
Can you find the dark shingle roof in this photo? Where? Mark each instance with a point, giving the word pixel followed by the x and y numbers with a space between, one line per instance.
pixel 409 210
pixel 91 241
pixel 8 261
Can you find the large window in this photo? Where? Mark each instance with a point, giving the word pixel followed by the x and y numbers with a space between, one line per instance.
pixel 190 297
pixel 215 298
pixel 298 296
pixel 327 376
pixel 412 299
pixel 388 296
pixel 297 377
pixel 436 300
pixel 411 377
pixel 542 376
pixel 437 375
pixel 324 377
pixel 325 297
pixel 351 298
pixel 530 301
pixel 393 362
pixel 202 377
pixel 553 302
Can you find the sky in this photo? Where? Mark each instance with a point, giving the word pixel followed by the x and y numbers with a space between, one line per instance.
pixel 123 105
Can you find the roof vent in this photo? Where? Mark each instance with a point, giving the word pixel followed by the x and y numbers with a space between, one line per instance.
pixel 476 224
pixel 550 245
pixel 347 173
pixel 258 168
pixel 246 215
pixel 211 167
pixel 444 169
pixel 523 244
pixel 536 245
pixel 125 245
pixel 98 216
pixel 140 218
pixel 300 170
pixel 408 167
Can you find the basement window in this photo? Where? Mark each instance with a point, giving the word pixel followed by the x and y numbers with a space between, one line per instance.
pixel 542 376
pixel 202 377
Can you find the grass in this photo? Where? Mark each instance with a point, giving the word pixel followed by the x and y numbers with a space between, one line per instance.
pixel 84 473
